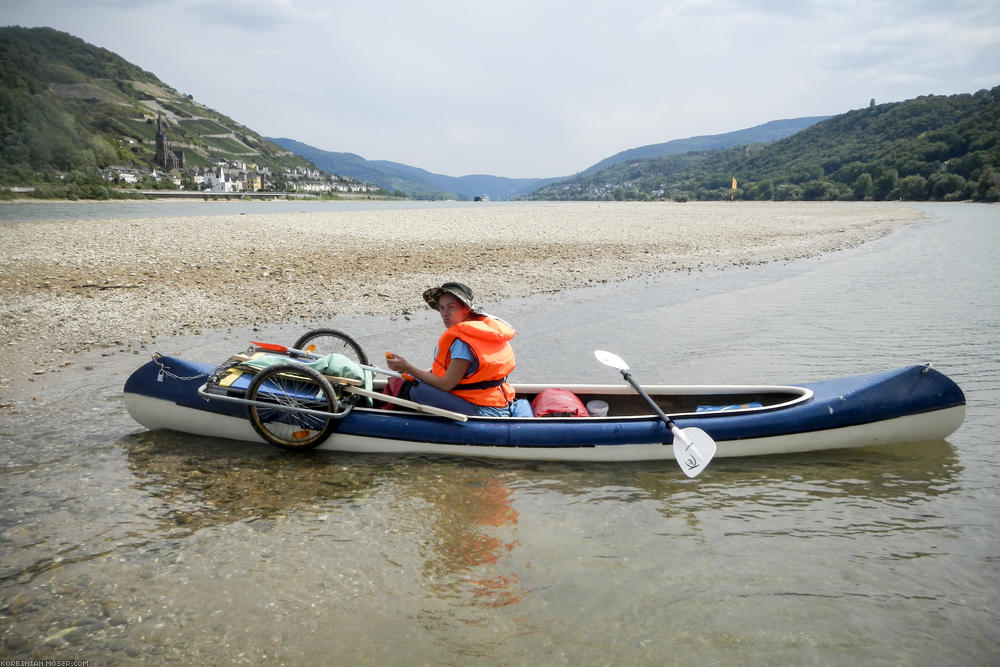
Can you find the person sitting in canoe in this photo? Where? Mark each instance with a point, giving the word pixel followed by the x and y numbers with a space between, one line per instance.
pixel 472 360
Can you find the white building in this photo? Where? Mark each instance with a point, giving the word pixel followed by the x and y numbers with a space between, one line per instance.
pixel 219 181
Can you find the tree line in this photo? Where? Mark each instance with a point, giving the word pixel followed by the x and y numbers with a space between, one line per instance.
pixel 938 148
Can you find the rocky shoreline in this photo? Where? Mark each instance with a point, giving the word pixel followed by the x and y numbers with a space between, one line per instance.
pixel 70 287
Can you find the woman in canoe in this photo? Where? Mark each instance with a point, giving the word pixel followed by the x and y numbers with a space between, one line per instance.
pixel 472 360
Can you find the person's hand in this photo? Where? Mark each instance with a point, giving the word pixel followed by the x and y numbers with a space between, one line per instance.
pixel 396 363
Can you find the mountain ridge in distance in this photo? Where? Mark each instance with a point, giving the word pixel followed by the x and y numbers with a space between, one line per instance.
pixel 419 182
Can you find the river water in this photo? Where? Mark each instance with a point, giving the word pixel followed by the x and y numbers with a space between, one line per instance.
pixel 120 544
pixel 30 211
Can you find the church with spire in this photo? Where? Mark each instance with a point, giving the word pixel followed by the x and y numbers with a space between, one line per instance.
pixel 165 157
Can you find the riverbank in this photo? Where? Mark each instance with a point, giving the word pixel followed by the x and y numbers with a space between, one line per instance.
pixel 70 287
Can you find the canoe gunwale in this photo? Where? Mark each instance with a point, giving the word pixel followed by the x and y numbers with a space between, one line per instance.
pixel 588 391
pixel 597 391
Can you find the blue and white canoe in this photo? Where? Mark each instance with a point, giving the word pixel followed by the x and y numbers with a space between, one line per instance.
pixel 910 404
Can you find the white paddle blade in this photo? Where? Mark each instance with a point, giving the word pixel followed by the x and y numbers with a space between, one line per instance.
pixel 694 455
pixel 611 359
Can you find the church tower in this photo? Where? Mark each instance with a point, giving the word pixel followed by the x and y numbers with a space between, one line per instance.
pixel 161 144
pixel 168 159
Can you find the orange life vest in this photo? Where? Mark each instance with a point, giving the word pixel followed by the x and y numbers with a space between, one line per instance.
pixel 487 336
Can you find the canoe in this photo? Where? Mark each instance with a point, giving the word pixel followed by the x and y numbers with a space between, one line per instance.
pixel 911 404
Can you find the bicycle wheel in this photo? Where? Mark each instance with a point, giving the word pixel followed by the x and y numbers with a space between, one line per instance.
pixel 327 341
pixel 292 385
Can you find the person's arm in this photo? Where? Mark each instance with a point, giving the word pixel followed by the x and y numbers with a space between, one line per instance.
pixel 456 371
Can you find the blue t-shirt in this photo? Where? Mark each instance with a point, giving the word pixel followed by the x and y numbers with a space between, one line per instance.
pixel 460 350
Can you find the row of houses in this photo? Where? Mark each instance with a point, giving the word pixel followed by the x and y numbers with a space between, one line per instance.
pixel 332 186
pixel 216 179
pixel 239 177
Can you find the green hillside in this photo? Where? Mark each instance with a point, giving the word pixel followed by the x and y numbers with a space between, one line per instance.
pixel 942 148
pixel 771 131
pixel 68 109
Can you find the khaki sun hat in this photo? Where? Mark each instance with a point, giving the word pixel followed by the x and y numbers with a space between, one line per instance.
pixel 461 292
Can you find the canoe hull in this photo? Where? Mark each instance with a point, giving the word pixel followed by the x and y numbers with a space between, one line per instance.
pixel 905 405
pixel 157 413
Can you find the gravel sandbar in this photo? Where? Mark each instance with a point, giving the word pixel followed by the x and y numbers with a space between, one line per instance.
pixel 69 287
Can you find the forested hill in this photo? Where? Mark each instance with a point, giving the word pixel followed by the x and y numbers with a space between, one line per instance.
pixel 69 108
pixel 771 131
pixel 395 176
pixel 943 148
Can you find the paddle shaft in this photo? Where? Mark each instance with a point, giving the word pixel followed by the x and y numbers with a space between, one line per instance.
pixel 413 405
pixel 678 433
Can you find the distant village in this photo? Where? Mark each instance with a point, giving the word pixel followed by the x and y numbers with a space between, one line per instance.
pixel 239 177
pixel 230 175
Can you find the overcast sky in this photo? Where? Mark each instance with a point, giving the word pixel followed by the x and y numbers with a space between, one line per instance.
pixel 530 88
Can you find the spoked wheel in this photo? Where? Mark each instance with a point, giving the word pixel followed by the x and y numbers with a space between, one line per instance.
pixel 328 341
pixel 299 387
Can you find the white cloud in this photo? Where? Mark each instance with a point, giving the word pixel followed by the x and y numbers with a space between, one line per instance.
pixel 987 81
pixel 527 88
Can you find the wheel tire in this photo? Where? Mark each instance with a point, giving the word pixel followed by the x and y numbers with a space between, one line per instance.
pixel 292 385
pixel 327 341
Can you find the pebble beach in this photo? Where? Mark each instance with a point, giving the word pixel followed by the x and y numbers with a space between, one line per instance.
pixel 70 287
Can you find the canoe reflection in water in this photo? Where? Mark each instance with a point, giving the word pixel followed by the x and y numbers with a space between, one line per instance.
pixel 475 529
pixel 461 521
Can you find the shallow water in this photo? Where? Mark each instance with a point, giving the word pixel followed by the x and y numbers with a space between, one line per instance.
pixel 119 543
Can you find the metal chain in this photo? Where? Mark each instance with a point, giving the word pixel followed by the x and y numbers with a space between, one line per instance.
pixel 165 372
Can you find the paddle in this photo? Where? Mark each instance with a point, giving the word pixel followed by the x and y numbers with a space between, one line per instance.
pixel 283 349
pixel 693 448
